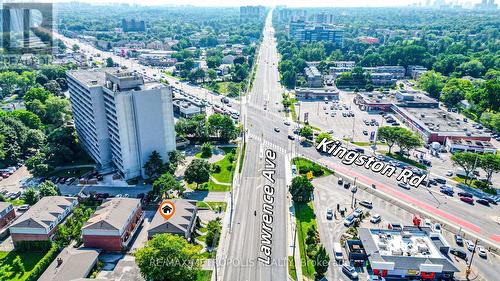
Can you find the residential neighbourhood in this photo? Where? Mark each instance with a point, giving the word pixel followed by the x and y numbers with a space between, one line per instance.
pixel 250 141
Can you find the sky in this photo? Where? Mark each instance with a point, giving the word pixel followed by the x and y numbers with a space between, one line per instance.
pixel 289 3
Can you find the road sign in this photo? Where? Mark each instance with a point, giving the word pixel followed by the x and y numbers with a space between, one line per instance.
pixel 167 209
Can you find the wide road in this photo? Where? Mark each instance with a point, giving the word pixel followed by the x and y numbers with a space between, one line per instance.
pixel 244 245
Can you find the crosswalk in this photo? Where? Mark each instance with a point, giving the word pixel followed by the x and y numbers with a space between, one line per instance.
pixel 267 144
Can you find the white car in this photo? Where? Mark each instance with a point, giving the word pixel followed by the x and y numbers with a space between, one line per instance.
pixel 469 244
pixel 427 223
pixel 437 227
pixel 481 251
pixel 374 278
pixel 449 173
pixel 375 218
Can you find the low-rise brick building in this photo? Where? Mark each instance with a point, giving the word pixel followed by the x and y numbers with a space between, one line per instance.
pixel 113 225
pixel 7 213
pixel 40 222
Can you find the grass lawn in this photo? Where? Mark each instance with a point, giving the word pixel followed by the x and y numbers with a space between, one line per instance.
pixel 304 214
pixel 204 275
pixel 365 143
pixel 29 259
pixel 242 157
pixel 226 167
pixel 406 160
pixel 301 162
pixel 294 113
pixel 210 186
pixel 474 184
pixel 212 205
pixel 16 202
pixel 291 268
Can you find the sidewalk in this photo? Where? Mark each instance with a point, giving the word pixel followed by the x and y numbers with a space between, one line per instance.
pixel 292 225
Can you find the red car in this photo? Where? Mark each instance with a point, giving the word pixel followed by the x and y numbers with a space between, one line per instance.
pixel 467 200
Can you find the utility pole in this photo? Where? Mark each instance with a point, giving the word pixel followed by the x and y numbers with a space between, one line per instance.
pixel 468 270
pixel 352 193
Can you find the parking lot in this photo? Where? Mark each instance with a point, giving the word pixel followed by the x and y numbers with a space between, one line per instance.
pixel 328 194
pixel 337 116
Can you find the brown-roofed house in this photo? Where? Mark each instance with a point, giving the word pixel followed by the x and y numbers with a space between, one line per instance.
pixel 41 220
pixel 71 264
pixel 113 225
pixel 181 223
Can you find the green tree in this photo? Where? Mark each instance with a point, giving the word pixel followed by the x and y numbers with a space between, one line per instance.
pixel 323 135
pixel 490 163
pixel 37 93
pixel 110 62
pixel 213 233
pixel 407 140
pixel 206 150
pixel 31 196
pixel 154 167
pixel 37 164
pixel 166 183
pixel 197 171
pixel 233 89
pixel 389 135
pixel 57 110
pixel 168 257
pixel 176 157
pixel 53 87
pixel 321 262
pixel 301 189
pixel 467 161
pixel 432 82
pixel 306 132
pixel 48 188
pixel 28 118
pixel 455 90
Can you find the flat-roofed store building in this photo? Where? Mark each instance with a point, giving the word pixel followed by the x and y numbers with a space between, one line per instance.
pixel 113 224
pixel 461 145
pixel 412 252
pixel 385 101
pixel 437 125
pixel 317 93
pixel 121 119
pixel 40 222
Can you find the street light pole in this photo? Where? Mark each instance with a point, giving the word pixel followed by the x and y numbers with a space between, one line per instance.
pixel 468 271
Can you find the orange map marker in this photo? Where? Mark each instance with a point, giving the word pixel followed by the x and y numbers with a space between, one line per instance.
pixel 167 209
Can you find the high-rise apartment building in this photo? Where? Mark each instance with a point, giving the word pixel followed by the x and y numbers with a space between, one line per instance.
pixel 307 32
pixel 133 25
pixel 120 119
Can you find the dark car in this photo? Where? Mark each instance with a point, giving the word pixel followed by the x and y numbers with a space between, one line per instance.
pixel 446 191
pixel 459 253
pixel 491 200
pixel 465 194
pixel 459 240
pixel 483 202
pixel 440 180
pixel 350 271
pixel 347 185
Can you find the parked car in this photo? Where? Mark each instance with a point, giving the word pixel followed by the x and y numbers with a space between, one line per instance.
pixel 491 200
pixel 459 240
pixel 483 202
pixel 347 185
pixel 340 181
pixel 449 173
pixel 357 213
pixel 427 223
pixel 350 271
pixel 437 227
pixel 465 194
pixel 467 200
pixel 366 203
pixel 459 253
pixel 375 218
pixel 440 180
pixel 349 220
pixel 404 185
pixel 481 251
pixel 470 245
pixel 277 130
pixel 23 208
pixel 329 214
